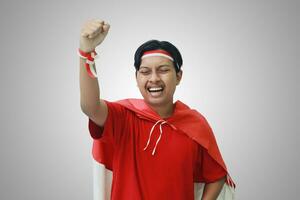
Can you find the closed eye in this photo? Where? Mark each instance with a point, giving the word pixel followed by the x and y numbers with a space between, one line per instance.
pixel 164 69
pixel 144 72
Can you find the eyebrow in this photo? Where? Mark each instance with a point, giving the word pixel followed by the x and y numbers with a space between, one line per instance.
pixel 159 66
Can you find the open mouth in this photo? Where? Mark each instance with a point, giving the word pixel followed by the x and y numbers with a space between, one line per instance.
pixel 155 89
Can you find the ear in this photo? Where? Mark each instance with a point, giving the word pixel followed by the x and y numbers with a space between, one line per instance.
pixel 178 77
pixel 136 78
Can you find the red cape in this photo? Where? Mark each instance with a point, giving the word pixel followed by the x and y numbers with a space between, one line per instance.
pixel 188 120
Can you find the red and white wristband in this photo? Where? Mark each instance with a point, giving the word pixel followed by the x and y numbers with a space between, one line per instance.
pixel 90 61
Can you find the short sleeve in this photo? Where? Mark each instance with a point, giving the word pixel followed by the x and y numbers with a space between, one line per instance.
pixel 113 125
pixel 207 169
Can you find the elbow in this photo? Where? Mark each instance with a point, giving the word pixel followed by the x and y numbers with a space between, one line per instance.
pixel 88 110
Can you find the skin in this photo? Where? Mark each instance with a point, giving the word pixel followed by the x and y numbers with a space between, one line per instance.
pixel 159 71
pixel 154 72
pixel 212 190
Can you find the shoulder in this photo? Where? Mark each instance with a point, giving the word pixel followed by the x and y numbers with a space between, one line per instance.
pixel 115 107
pixel 118 107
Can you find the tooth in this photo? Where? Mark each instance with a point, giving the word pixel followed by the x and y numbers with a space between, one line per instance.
pixel 155 89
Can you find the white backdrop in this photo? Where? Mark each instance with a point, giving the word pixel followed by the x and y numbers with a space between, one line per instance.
pixel 241 71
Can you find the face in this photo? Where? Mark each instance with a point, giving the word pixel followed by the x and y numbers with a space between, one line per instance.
pixel 157 80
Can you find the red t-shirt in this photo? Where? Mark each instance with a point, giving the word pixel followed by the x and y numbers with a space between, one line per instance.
pixel 170 173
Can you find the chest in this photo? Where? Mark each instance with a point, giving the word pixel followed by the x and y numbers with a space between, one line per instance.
pixel 160 146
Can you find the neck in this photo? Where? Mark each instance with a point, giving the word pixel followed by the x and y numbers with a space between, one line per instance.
pixel 164 111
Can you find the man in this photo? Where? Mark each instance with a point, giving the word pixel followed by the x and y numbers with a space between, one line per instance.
pixel 150 148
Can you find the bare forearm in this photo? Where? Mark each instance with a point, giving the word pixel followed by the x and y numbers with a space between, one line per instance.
pixel 212 190
pixel 89 89
pixel 91 35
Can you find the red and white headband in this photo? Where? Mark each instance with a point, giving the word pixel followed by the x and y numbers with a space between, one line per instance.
pixel 157 52
pixel 160 52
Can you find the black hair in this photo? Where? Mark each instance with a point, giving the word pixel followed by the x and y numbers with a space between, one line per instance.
pixel 154 45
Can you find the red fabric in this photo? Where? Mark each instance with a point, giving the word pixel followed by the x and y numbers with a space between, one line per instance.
pixel 170 173
pixel 157 51
pixel 87 55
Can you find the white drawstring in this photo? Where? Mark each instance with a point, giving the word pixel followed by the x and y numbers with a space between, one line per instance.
pixel 160 129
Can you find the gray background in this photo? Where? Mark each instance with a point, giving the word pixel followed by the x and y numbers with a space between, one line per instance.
pixel 241 71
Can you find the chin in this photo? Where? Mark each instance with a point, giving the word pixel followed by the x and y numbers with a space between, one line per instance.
pixel 157 101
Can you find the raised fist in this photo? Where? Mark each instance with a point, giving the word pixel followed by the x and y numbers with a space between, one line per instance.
pixel 92 34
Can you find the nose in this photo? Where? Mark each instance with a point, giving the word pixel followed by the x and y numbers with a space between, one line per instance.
pixel 154 77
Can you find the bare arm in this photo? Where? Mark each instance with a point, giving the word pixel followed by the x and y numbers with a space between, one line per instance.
pixel 92 34
pixel 212 190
